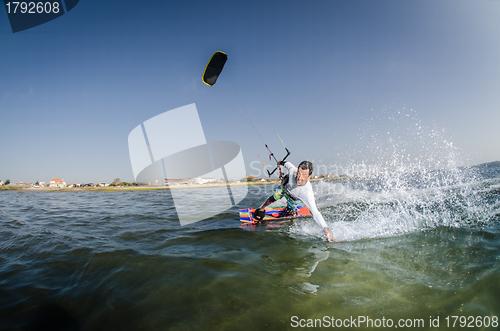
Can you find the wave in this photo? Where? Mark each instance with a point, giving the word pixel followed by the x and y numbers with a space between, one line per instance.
pixel 401 203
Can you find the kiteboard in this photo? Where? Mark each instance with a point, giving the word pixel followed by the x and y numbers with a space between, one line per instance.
pixel 272 214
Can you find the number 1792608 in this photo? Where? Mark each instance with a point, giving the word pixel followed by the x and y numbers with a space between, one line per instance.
pixel 33 8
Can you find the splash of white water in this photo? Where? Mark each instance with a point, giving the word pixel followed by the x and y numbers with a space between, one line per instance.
pixel 415 181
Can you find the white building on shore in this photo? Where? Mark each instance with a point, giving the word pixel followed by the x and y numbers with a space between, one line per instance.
pixel 203 180
pixel 57 182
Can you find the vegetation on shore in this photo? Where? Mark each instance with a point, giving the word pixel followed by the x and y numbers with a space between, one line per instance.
pixel 115 188
pixel 118 185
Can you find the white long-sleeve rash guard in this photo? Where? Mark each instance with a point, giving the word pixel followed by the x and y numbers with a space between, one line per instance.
pixel 304 193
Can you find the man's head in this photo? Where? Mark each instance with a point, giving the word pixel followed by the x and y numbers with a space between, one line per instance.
pixel 304 172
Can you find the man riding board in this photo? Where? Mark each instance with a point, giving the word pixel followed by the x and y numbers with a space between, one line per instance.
pixel 295 187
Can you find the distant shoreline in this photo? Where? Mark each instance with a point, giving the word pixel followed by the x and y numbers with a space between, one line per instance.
pixel 126 188
pixel 138 188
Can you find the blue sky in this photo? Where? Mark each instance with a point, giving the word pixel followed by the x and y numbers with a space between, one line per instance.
pixel 343 82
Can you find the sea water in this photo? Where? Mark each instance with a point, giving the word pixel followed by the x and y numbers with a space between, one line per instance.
pixel 417 248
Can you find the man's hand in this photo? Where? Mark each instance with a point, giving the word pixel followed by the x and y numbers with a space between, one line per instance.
pixel 329 235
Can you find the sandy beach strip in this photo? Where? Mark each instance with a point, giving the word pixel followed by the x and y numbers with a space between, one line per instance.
pixel 127 188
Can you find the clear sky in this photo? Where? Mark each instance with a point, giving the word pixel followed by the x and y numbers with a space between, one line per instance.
pixel 340 81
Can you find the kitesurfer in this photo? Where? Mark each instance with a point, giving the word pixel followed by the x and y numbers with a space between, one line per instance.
pixel 295 187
